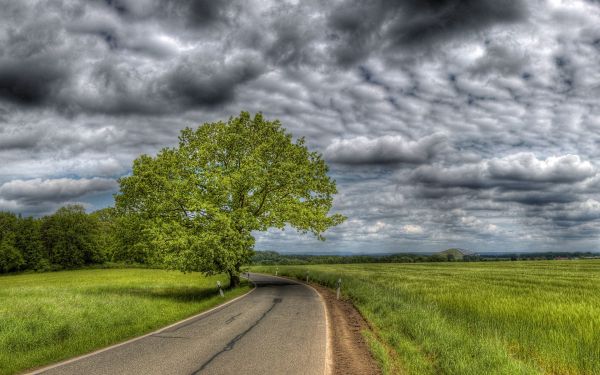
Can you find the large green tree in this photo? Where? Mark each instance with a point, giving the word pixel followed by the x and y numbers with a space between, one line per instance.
pixel 202 200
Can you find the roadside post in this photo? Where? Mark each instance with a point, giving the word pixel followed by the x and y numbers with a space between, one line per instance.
pixel 339 286
pixel 220 290
pixel 276 271
pixel 307 277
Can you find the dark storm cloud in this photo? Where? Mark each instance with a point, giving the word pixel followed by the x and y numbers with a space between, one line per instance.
pixel 196 13
pixel 31 82
pixel 292 45
pixel 360 27
pixel 15 140
pixel 205 12
pixel 32 67
pixel 383 150
pixel 209 84
pixel 428 20
pixel 538 197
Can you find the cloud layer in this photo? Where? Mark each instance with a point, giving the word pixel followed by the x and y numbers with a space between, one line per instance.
pixel 446 123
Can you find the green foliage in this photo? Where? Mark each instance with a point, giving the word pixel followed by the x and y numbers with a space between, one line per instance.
pixel 130 244
pixel 66 239
pixel 475 318
pixel 200 201
pixel 28 240
pixel 10 257
pixel 104 233
pixel 70 237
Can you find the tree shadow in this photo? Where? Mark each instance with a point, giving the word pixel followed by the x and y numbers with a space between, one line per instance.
pixel 177 294
pixel 271 283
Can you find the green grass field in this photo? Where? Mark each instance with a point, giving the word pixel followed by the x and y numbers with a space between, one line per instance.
pixel 48 317
pixel 539 317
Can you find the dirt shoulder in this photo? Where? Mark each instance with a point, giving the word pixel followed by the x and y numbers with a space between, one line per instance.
pixel 349 350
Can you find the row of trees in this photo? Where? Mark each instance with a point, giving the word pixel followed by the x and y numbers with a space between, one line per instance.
pixel 69 238
pixel 273 257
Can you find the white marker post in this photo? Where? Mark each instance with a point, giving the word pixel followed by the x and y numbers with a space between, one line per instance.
pixel 220 290
pixel 276 271
pixel 339 286
pixel 307 277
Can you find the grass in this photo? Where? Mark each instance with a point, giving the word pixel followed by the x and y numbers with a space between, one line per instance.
pixel 523 317
pixel 48 317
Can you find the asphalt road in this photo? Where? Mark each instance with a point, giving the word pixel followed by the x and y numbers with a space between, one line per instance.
pixel 279 328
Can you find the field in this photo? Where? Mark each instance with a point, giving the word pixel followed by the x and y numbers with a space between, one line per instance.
pixel 52 316
pixel 524 317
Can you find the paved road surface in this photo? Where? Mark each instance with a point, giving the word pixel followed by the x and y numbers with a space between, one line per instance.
pixel 279 328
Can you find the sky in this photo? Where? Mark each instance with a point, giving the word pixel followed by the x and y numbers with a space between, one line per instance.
pixel 449 123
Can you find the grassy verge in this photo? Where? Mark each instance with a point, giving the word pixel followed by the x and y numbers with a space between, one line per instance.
pixel 475 318
pixel 48 317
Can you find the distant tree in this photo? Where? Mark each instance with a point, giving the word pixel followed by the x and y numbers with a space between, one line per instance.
pixel 28 240
pixel 10 257
pixel 201 201
pixel 70 237
pixel 437 258
pixel 8 223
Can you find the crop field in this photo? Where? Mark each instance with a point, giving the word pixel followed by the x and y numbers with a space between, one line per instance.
pixel 48 317
pixel 526 317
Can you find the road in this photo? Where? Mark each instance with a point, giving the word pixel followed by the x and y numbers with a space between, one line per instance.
pixel 279 328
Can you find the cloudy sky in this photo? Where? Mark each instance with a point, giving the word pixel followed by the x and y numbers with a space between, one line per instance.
pixel 469 123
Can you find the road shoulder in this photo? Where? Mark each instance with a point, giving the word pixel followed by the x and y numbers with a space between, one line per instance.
pixel 349 352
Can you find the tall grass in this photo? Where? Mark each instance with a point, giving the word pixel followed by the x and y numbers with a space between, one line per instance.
pixel 476 318
pixel 48 317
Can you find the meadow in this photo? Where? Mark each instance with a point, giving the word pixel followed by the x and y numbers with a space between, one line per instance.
pixel 48 317
pixel 525 317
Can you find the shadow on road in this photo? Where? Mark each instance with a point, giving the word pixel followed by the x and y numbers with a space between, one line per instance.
pixel 263 281
pixel 183 294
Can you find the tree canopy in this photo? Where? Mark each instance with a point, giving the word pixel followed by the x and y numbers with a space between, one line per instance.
pixel 201 201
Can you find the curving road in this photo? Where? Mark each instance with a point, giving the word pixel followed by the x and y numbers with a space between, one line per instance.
pixel 278 328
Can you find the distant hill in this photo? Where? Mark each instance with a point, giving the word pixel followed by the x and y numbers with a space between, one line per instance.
pixel 457 253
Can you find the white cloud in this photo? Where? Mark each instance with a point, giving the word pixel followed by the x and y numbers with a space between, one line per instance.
pixel 527 167
pixel 412 229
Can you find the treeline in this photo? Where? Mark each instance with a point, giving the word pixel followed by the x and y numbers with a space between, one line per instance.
pixel 549 255
pixel 69 238
pixel 273 257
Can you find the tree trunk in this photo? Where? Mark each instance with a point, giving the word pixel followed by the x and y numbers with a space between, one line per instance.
pixel 234 279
